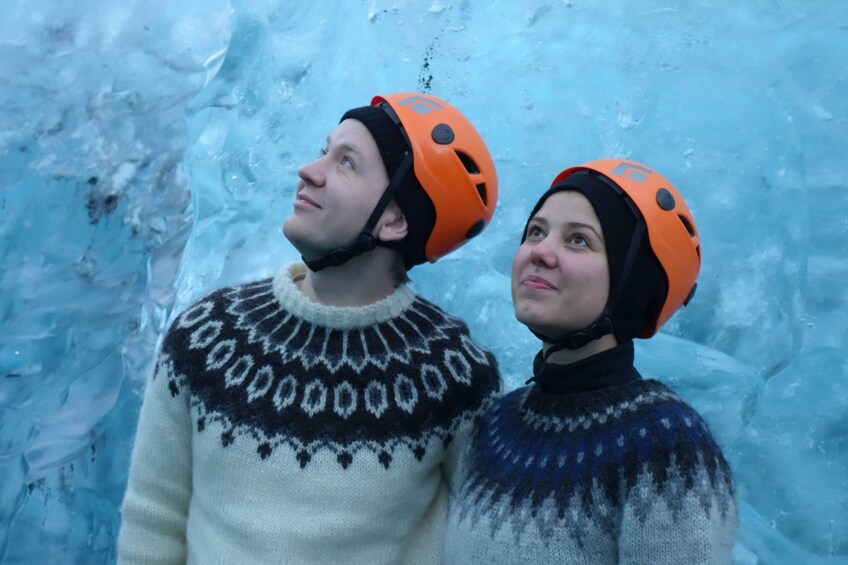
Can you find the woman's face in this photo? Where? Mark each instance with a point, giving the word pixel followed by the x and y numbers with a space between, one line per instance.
pixel 560 275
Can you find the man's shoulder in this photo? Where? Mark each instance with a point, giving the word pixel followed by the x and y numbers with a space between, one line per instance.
pixel 215 304
pixel 453 325
pixel 439 315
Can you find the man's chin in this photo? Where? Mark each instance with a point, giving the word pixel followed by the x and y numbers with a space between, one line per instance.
pixel 294 233
pixel 303 245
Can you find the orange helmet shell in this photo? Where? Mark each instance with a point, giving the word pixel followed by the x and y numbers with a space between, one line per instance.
pixel 451 163
pixel 671 229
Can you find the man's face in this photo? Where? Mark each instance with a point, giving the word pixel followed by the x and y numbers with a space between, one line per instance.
pixel 337 192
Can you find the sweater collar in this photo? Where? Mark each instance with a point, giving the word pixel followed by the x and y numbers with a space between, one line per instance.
pixel 337 317
pixel 609 368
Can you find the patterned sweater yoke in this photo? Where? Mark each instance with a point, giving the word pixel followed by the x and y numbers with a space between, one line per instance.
pixel 267 362
pixel 625 473
pixel 293 432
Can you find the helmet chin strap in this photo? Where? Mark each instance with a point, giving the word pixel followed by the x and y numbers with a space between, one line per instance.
pixel 366 241
pixel 575 340
pixel 605 324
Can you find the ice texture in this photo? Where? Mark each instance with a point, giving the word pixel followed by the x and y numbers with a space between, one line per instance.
pixel 149 153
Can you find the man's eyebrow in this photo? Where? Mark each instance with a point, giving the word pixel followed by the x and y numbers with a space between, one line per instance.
pixel 345 146
pixel 349 147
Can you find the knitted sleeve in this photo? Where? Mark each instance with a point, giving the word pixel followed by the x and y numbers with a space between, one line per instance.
pixel 487 378
pixel 682 508
pixel 155 506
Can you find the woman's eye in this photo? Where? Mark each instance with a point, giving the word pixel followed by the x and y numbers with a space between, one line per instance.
pixel 579 240
pixel 535 231
pixel 322 151
pixel 347 162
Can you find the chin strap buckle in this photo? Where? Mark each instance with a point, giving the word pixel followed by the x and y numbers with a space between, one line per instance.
pixel 575 340
pixel 363 243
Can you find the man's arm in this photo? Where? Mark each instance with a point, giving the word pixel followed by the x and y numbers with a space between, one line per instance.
pixel 155 507
pixel 488 378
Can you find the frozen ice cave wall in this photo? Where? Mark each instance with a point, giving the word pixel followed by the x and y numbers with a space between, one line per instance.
pixel 148 153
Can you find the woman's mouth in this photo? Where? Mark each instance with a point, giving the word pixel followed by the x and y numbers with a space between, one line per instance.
pixel 533 281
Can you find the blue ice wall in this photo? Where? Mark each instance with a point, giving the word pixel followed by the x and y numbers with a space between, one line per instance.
pixel 148 153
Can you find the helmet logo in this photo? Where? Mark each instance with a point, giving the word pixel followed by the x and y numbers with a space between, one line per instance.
pixel 638 173
pixel 420 104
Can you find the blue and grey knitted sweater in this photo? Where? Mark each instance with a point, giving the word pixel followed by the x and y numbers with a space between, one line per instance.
pixel 592 465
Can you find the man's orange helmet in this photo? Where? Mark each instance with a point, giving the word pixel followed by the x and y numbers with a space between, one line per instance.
pixel 452 165
pixel 672 234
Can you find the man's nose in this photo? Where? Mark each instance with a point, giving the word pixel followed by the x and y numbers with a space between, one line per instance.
pixel 312 173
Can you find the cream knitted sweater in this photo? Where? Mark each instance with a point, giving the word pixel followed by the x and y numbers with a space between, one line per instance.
pixel 278 430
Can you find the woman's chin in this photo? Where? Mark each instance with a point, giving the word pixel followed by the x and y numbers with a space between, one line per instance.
pixel 540 328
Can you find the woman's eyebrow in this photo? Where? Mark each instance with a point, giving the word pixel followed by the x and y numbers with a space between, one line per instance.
pixel 586 226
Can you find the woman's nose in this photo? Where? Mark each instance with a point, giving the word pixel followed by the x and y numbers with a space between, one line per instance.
pixel 543 254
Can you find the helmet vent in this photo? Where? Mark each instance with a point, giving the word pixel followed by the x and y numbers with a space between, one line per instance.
pixel 481 189
pixel 687 224
pixel 475 230
pixel 691 294
pixel 468 163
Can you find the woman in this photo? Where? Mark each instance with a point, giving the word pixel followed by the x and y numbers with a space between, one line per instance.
pixel 591 463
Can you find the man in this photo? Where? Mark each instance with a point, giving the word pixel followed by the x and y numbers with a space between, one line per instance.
pixel 315 417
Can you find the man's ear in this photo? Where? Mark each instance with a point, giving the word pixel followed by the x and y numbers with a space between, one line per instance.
pixel 392 225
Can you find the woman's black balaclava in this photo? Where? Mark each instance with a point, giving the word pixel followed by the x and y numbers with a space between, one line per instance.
pixel 637 285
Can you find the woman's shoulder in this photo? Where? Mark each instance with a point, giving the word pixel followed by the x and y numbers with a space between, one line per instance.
pixel 645 412
pixel 666 408
pixel 659 420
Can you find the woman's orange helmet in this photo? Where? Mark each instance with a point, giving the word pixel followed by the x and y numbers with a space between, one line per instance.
pixel 451 163
pixel 672 234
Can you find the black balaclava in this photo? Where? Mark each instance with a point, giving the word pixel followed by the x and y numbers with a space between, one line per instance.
pixel 413 200
pixel 638 284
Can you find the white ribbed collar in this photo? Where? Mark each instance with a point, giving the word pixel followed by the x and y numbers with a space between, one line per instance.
pixel 339 317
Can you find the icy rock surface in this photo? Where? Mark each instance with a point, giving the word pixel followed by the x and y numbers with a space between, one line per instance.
pixel 148 153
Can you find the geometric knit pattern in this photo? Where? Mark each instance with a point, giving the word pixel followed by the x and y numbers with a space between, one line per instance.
pixel 277 379
pixel 626 474
pixel 279 430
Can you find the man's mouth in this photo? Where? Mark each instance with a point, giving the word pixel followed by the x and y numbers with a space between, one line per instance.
pixel 306 200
